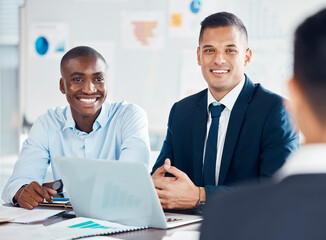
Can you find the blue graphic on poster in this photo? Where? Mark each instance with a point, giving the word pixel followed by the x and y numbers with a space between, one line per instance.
pixel 41 45
pixel 195 6
pixel 60 46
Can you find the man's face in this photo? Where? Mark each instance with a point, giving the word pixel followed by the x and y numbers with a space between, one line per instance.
pixel 222 55
pixel 83 82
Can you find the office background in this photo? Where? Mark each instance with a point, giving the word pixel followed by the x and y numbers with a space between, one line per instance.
pixel 150 47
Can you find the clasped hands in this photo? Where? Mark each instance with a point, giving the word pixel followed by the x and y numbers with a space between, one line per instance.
pixel 177 192
pixel 30 196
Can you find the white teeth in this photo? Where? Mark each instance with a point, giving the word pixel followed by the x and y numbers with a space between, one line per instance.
pixel 220 71
pixel 87 100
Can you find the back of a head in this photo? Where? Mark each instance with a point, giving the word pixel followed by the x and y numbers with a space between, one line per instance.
pixel 222 19
pixel 310 62
pixel 80 51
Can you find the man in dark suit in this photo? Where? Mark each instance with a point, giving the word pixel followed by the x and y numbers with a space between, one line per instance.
pixel 233 132
pixel 293 207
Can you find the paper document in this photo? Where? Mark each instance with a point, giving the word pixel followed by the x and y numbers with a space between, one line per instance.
pixel 189 235
pixel 84 227
pixel 100 238
pixel 21 215
pixel 24 231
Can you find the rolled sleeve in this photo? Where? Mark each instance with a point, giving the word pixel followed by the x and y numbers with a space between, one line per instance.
pixel 134 134
pixel 32 162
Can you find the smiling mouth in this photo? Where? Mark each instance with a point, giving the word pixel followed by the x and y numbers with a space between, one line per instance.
pixel 87 100
pixel 220 71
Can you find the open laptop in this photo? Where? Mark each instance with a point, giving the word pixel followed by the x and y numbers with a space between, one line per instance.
pixel 116 191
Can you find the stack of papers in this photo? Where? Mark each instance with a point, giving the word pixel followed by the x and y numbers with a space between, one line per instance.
pixel 21 215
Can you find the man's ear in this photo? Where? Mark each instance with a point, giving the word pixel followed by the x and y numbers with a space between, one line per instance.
pixel 248 56
pixel 295 91
pixel 198 56
pixel 62 86
pixel 297 103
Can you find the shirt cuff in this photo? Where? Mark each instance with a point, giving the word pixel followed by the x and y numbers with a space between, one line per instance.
pixel 14 202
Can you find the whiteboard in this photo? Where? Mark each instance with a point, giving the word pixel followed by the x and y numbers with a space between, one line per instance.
pixel 156 74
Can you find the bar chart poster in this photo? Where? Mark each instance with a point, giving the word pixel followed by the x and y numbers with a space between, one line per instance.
pixel 142 30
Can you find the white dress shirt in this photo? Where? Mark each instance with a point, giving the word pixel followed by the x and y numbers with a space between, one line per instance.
pixel 228 101
pixel 309 159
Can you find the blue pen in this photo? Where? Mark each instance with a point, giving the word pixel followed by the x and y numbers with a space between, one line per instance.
pixel 60 197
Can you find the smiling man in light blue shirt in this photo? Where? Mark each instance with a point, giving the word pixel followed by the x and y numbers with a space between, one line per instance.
pixel 91 127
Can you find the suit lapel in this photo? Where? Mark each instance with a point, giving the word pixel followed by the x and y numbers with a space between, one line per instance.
pixel 237 117
pixel 199 134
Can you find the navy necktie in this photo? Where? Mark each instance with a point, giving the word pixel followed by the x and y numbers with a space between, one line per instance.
pixel 211 146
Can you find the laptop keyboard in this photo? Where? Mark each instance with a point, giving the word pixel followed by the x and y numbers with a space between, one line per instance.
pixel 173 219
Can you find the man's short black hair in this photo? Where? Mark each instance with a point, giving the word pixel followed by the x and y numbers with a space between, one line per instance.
pixel 310 62
pixel 222 19
pixel 81 51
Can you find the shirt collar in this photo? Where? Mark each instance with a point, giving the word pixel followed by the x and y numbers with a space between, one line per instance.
pixel 102 118
pixel 229 99
pixel 309 159
pixel 100 121
pixel 70 123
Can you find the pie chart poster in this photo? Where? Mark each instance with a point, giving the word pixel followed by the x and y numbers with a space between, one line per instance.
pixel 48 40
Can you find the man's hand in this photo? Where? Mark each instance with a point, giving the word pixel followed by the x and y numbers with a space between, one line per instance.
pixel 30 196
pixel 159 173
pixel 177 192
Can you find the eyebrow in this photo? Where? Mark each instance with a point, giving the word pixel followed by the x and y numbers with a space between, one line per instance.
pixel 229 45
pixel 82 74
pixel 232 45
pixel 77 73
pixel 98 73
pixel 207 46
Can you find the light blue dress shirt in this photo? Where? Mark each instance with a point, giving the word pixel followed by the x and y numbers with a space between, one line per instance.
pixel 120 132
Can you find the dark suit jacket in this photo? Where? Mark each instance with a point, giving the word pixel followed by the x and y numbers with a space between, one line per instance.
pixel 292 209
pixel 259 137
